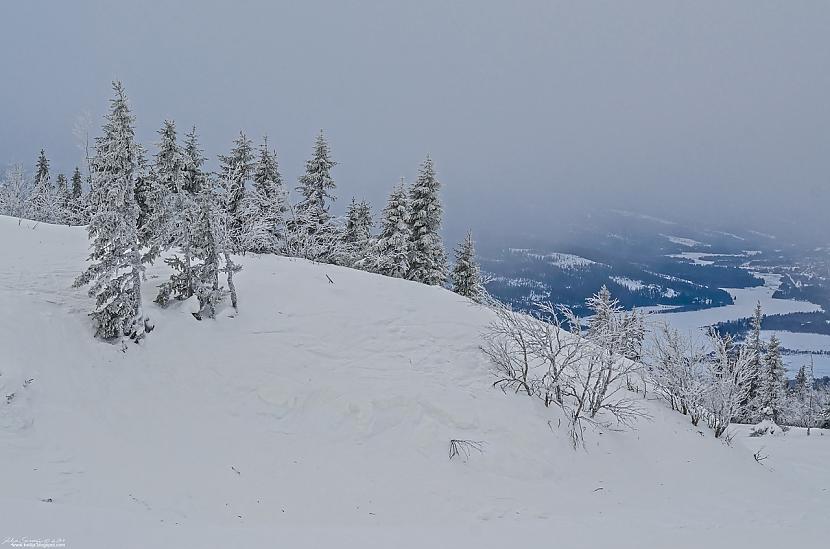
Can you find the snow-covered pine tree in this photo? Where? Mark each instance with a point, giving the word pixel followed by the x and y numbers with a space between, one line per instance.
pixel 266 204
pixel 605 310
pixel 144 179
pixel 357 236
pixel 428 261
pixel 77 202
pixel 226 236
pixel 313 234
pixel 241 163
pixel 206 268
pixel 163 222
pixel 194 159
pixel 391 252
pixel 773 384
pixel 756 345
pixel 116 269
pixel 174 213
pixel 15 192
pixel 44 204
pixel 466 274
pixel 42 168
pixel 62 196
pixel 804 403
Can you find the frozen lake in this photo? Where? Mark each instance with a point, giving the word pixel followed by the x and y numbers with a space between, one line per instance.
pixel 745 300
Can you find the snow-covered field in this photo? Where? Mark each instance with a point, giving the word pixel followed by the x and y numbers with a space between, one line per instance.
pixel 321 414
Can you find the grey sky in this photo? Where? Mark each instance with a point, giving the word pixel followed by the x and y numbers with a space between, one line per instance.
pixel 529 108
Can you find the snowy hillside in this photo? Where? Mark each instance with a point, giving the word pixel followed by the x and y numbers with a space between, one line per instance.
pixel 321 415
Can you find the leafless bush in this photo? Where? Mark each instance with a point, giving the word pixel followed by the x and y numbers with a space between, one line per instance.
pixel 465 447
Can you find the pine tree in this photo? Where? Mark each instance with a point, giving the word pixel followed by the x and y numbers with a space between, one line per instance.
pixel 174 214
pixel 357 237
pixel 206 272
pixel 428 263
pixel 144 192
pixel 63 199
pixel 266 204
pixel 316 183
pixel 241 163
pixel 312 234
pixel 44 204
pixel 604 311
pixel 756 345
pixel 391 252
pixel 772 387
pixel 77 202
pixel 194 159
pixel 466 274
pixel 42 169
pixel 116 269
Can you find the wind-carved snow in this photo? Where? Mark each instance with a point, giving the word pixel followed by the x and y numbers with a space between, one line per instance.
pixel 320 415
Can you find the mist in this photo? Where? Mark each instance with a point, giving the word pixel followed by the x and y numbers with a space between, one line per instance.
pixel 534 112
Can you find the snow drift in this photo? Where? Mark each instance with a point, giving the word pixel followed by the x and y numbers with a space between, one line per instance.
pixel 321 414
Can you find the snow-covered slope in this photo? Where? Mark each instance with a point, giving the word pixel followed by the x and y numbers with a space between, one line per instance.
pixel 320 415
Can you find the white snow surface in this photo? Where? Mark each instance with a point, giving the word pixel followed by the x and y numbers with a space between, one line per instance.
pixel 320 415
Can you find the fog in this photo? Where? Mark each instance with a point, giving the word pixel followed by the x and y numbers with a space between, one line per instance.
pixel 534 111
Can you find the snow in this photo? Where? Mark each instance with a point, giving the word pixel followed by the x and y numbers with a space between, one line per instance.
pixel 630 284
pixel 320 415
pixel 745 300
pixel 688 242
pixel 561 260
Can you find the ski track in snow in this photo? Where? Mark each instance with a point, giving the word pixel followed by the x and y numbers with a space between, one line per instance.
pixel 320 415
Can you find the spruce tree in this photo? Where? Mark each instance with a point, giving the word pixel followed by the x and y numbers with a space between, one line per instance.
pixel 391 252
pixel 63 199
pixel 77 206
pixel 466 274
pixel 317 182
pixel 771 390
pixel 42 169
pixel 240 163
pixel 313 235
pixel 116 269
pixel 194 159
pixel 44 204
pixel 206 254
pixel 755 345
pixel 357 236
pixel 428 262
pixel 266 205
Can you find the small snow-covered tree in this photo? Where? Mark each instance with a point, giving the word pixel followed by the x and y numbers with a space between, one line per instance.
pixel 116 269
pixel 44 202
pixel 241 164
pixel 677 369
pixel 63 198
pixel 266 204
pixel 773 383
pixel 174 214
pixel 15 190
pixel 428 261
pixel 466 274
pixel 804 403
pixel 77 202
pixel 206 252
pixel 391 251
pixel 756 345
pixel 194 158
pixel 729 374
pixel 357 235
